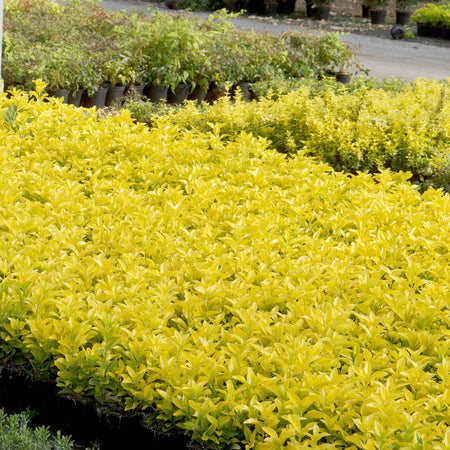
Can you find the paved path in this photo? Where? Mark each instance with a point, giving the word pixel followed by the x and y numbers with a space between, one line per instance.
pixel 385 58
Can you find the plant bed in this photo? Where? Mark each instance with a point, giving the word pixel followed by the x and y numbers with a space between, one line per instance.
pixel 191 271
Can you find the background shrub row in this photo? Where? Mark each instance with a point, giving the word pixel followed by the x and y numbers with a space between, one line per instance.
pixel 81 45
pixel 367 126
pixel 434 14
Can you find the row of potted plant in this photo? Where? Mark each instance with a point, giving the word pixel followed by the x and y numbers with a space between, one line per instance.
pixel 376 10
pixel 433 20
pixel 373 9
pixel 320 9
pixel 153 49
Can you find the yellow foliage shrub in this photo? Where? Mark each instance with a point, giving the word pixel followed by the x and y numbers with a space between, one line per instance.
pixel 245 297
pixel 367 129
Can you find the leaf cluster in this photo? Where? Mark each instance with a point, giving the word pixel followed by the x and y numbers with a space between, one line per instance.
pixel 435 14
pixel 17 434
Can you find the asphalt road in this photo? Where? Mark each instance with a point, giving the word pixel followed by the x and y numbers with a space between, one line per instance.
pixel 384 58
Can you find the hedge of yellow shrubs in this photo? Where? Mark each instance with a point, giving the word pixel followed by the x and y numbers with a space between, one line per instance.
pixel 248 299
pixel 363 128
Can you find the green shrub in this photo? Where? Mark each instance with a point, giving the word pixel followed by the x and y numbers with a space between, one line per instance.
pixel 433 14
pixel 16 434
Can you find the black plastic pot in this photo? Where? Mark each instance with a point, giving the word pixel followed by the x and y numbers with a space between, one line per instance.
pixel 242 88
pixel 256 6
pixel 60 93
pixel 397 31
pixel 139 89
pixel 436 32
pixel 156 93
pixel 114 93
pixel 245 4
pixel 179 94
pixel 173 4
pixel 365 11
pixel 402 17
pixel 424 29
pixel 97 99
pixel 377 17
pixel 271 8
pixel 344 78
pixel 286 6
pixel 321 12
pixel 231 5
pixel 309 9
pixel 215 92
pixel 198 94
pixel 75 97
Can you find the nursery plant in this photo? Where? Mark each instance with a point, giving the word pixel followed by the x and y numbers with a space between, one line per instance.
pixel 405 5
pixel 16 433
pixel 118 70
pixel 153 49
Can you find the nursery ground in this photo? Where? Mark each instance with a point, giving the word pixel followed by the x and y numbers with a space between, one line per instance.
pixel 377 52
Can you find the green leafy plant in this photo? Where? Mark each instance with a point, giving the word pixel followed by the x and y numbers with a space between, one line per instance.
pixel 433 14
pixel 16 434
pixel 317 55
pixel 118 70
pixel 377 4
pixel 149 49
pixel 405 5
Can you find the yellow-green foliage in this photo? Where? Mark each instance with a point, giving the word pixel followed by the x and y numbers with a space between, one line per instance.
pixel 243 296
pixel 365 129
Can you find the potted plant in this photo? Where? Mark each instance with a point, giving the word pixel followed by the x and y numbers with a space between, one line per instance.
pixel 422 18
pixel 19 67
pixel 339 58
pixel 89 78
pixel 436 18
pixel 365 9
pixel 56 69
pixel 430 19
pixel 322 9
pixel 231 5
pixel 309 8
pixel 119 73
pixel 446 24
pixel 377 11
pixel 270 7
pixel 403 10
pixel 286 6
